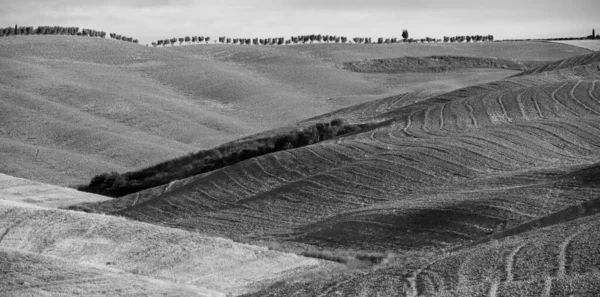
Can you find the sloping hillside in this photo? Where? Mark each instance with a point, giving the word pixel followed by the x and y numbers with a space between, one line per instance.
pixel 74 107
pixel 446 171
pixel 27 191
pixel 49 251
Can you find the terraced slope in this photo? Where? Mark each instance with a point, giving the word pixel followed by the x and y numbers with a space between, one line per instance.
pixel 104 247
pixel 74 107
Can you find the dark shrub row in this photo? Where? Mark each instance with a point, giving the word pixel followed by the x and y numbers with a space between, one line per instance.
pixel 58 30
pixel 116 185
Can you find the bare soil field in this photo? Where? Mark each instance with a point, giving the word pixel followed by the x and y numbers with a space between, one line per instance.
pixel 51 251
pixel 27 191
pixel 457 187
pixel 469 182
pixel 75 107
pixel 593 45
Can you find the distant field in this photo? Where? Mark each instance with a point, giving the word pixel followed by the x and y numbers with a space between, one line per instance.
pixel 73 107
pixel 593 45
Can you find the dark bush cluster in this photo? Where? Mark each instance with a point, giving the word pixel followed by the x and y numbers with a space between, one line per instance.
pixel 58 30
pixel 116 185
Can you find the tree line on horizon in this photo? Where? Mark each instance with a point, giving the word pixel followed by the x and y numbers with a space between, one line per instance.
pixel 320 38
pixel 59 30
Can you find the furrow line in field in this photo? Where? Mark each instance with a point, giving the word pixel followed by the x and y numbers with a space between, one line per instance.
pixel 276 177
pixel 521 106
pixel 537 106
pixel 225 189
pixel 510 262
pixel 407 166
pixel 505 114
pixel 553 96
pixel 355 184
pixel 509 146
pixel 562 255
pixel 591 91
pixel 471 113
pixel 574 98
pixel 408 124
pixel 546 292
pixel 287 168
pixel 443 106
pixel 311 151
pixel 438 281
pixel 493 292
pixel 238 183
pixel 398 100
pixel 557 150
pixel 468 139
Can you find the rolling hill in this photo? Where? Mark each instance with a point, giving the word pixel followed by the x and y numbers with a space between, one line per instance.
pixel 73 107
pixel 47 251
pixel 459 186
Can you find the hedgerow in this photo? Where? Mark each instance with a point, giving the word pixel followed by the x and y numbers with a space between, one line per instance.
pixel 115 184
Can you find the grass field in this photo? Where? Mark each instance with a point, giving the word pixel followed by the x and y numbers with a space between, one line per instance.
pixel 75 107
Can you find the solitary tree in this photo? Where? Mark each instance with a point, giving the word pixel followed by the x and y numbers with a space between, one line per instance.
pixel 593 33
pixel 207 39
pixel 405 34
pixel 188 39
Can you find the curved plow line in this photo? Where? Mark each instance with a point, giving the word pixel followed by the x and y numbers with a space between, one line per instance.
pixel 527 158
pixel 499 151
pixel 572 95
pixel 276 177
pixel 582 128
pixel 342 181
pixel 562 256
pixel 591 90
pixel 521 106
pixel 594 74
pixel 362 152
pixel 405 165
pixel 510 262
pixel 288 169
pixel 226 189
pixel 238 183
pixel 339 152
pixel 537 106
pixel 558 150
pixel 547 286
pixel 505 114
pixel 443 106
pixel 399 100
pixel 471 114
pixel 583 143
pixel 493 289
pixel 553 96
pixel 394 173
pixel 136 199
pixel 408 123
pixel 319 156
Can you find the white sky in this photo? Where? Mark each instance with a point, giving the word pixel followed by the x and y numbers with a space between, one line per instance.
pixel 154 19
